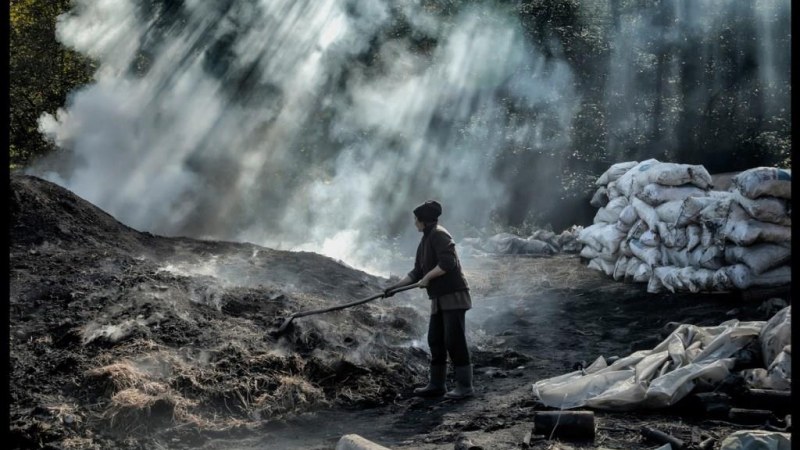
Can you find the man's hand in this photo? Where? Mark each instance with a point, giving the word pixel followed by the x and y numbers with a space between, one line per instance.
pixel 423 283
pixel 387 292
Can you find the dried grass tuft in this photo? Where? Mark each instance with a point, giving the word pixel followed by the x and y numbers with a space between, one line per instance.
pixel 66 414
pixel 292 394
pixel 133 408
pixel 79 443
pixel 118 376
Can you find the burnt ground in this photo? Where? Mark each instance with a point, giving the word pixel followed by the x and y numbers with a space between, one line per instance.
pixel 122 339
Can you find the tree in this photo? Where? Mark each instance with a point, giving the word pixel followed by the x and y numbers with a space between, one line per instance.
pixel 42 72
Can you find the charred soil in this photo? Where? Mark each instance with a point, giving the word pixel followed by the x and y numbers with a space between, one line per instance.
pixel 123 339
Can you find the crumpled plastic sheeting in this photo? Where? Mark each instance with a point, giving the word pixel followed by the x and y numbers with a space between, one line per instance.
pixel 776 349
pixel 757 440
pixel 652 378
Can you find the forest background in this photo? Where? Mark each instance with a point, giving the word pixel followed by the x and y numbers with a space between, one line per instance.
pixel 702 100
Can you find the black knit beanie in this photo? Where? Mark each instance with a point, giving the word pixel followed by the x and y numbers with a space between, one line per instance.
pixel 428 211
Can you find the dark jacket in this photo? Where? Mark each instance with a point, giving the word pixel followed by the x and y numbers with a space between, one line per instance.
pixel 437 248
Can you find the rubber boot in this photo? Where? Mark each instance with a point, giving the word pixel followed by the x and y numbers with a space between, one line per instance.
pixel 436 386
pixel 463 383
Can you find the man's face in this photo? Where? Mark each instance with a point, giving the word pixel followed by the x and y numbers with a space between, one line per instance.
pixel 420 226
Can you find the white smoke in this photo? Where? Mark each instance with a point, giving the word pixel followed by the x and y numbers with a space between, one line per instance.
pixel 300 124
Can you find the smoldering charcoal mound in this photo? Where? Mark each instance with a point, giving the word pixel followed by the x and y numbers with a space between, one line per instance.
pixel 131 334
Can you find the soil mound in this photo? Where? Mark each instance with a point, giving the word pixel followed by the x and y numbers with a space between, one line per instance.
pixel 41 212
pixel 117 334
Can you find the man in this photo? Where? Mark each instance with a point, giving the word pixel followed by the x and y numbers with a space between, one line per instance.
pixel 438 269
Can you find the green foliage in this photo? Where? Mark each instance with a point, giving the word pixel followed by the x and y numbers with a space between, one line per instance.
pixel 42 72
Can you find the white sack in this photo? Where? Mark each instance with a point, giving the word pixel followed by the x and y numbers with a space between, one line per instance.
pixel 722 282
pixel 645 212
pixel 628 215
pixel 507 243
pixel 761 181
pixel 568 239
pixel 654 285
pixel 672 236
pixel 610 213
pixel 709 236
pixel 691 207
pixel 650 255
pixel 718 213
pixel 765 209
pixel 613 192
pixel 669 212
pixel 620 268
pixel 656 194
pixel 603 265
pixel 614 172
pixel 633 264
pixel 637 230
pixel 759 257
pixel 681 279
pixel 742 278
pixel 677 257
pixel 545 236
pixel 712 258
pixel 531 246
pixel 693 233
pixel 650 238
pixel 643 273
pixel 622 226
pixel 757 440
pixel 626 184
pixel 739 275
pixel 589 252
pixel 587 235
pixel 609 238
pixel 672 174
pixel 697 279
pixel 748 232
pixel 625 248
pixel 600 198
pixel 656 282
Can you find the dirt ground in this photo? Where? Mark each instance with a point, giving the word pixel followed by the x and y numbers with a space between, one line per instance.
pixel 121 339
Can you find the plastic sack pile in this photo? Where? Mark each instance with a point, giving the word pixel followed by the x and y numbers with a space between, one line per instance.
pixel 541 242
pixel 663 224
pixel 660 377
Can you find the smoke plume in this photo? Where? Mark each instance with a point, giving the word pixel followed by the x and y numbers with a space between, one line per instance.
pixel 320 124
pixel 312 125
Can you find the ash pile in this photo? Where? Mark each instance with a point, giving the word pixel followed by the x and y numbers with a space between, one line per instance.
pixel 664 224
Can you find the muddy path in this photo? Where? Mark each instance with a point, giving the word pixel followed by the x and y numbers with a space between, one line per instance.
pixel 533 318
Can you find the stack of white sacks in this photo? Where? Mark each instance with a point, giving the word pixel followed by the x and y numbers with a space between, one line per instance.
pixel 662 223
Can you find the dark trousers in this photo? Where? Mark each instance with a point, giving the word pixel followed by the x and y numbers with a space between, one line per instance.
pixel 447 335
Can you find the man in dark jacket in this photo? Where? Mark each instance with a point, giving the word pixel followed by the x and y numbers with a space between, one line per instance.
pixel 438 269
